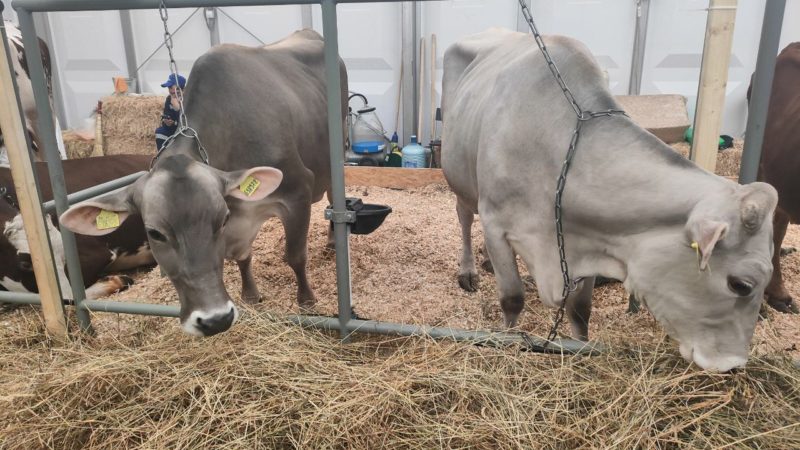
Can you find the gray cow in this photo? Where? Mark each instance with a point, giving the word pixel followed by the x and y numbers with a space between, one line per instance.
pixel 261 114
pixel 632 206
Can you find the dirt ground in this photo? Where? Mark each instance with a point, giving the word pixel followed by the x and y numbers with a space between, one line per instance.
pixel 406 272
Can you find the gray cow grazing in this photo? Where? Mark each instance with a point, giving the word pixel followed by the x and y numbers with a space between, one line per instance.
pixel 261 114
pixel 632 206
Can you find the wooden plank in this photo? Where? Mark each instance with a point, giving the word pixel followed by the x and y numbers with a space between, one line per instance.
pixel 30 204
pixel 713 80
pixel 392 177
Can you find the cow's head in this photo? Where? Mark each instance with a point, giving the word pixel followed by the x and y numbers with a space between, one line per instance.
pixel 185 206
pixel 705 283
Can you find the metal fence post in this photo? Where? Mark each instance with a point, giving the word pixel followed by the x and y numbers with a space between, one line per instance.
pixel 336 137
pixel 762 87
pixel 56 172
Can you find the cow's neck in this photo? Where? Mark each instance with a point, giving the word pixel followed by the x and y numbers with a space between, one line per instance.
pixel 647 192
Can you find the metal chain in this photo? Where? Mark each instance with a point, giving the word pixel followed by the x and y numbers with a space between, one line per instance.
pixel 183 121
pixel 582 116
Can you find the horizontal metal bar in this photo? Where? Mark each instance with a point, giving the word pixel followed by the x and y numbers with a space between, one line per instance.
pixel 140 308
pixel 106 5
pixel 22 298
pixel 488 338
pixel 94 191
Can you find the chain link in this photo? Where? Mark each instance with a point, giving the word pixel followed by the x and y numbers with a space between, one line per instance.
pixel 183 121
pixel 582 116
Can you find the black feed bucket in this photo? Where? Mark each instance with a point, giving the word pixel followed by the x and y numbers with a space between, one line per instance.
pixel 368 216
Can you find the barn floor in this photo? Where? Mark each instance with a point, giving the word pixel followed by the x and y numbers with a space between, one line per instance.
pixel 406 272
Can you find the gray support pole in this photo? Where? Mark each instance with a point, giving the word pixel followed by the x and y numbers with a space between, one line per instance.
pixel 640 39
pixel 762 88
pixel 336 141
pixel 306 17
pixel 408 53
pixel 47 128
pixel 130 48
pixel 212 22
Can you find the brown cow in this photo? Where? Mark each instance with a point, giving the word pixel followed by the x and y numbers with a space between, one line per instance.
pixel 780 161
pixel 124 249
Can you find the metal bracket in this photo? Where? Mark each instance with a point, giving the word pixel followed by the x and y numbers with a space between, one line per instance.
pixel 346 216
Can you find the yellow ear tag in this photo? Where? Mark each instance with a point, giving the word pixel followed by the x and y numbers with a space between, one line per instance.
pixel 107 219
pixel 249 186
pixel 696 248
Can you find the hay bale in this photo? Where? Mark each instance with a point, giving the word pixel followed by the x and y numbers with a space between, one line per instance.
pixel 728 161
pixel 664 115
pixel 77 146
pixel 129 123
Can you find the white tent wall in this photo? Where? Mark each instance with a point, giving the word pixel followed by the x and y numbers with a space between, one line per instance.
pixel 89 48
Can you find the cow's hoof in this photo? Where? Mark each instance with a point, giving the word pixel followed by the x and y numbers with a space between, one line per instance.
pixel 126 281
pixel 600 281
pixel 252 299
pixel 530 283
pixel 486 265
pixel 468 281
pixel 784 305
pixel 308 308
pixel 785 251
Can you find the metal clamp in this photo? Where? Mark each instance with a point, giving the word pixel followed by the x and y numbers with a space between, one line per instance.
pixel 346 216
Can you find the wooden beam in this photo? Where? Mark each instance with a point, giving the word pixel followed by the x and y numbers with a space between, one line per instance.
pixel 30 205
pixel 392 177
pixel 713 81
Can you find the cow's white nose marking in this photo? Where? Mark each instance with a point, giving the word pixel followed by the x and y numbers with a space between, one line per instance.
pixel 198 316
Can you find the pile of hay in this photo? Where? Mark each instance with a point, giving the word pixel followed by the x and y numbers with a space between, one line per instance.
pixel 129 124
pixel 728 161
pixel 77 146
pixel 267 384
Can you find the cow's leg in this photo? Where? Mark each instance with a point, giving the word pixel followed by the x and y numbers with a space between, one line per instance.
pixel 775 293
pixel 108 285
pixel 579 308
pixel 486 263
pixel 295 225
pixel 509 283
pixel 250 292
pixel 467 275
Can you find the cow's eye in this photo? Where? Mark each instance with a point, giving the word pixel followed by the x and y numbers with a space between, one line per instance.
pixel 740 287
pixel 156 235
pixel 26 265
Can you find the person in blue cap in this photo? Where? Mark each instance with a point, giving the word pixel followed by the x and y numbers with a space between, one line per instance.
pixel 172 109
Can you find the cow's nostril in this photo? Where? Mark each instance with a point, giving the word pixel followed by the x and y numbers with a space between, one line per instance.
pixel 215 324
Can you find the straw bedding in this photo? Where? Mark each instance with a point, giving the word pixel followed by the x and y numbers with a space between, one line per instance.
pixel 141 383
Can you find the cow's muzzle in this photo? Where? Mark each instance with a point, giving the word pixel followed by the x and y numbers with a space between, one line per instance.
pixel 209 323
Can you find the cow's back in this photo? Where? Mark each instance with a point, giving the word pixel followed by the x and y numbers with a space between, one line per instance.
pixel 265 106
pixel 780 162
pixel 503 111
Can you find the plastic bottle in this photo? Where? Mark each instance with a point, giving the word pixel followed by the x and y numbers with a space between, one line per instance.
pixel 413 155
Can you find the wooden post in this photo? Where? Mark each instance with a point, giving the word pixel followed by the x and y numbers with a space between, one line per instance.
pixel 713 81
pixel 30 205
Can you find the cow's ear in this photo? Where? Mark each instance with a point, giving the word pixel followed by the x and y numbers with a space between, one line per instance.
pixel 705 233
pixel 100 215
pixel 253 184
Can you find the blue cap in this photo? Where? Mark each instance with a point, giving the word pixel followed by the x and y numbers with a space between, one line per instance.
pixel 171 81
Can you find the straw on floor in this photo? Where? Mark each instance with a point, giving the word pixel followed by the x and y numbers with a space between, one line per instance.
pixel 267 384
